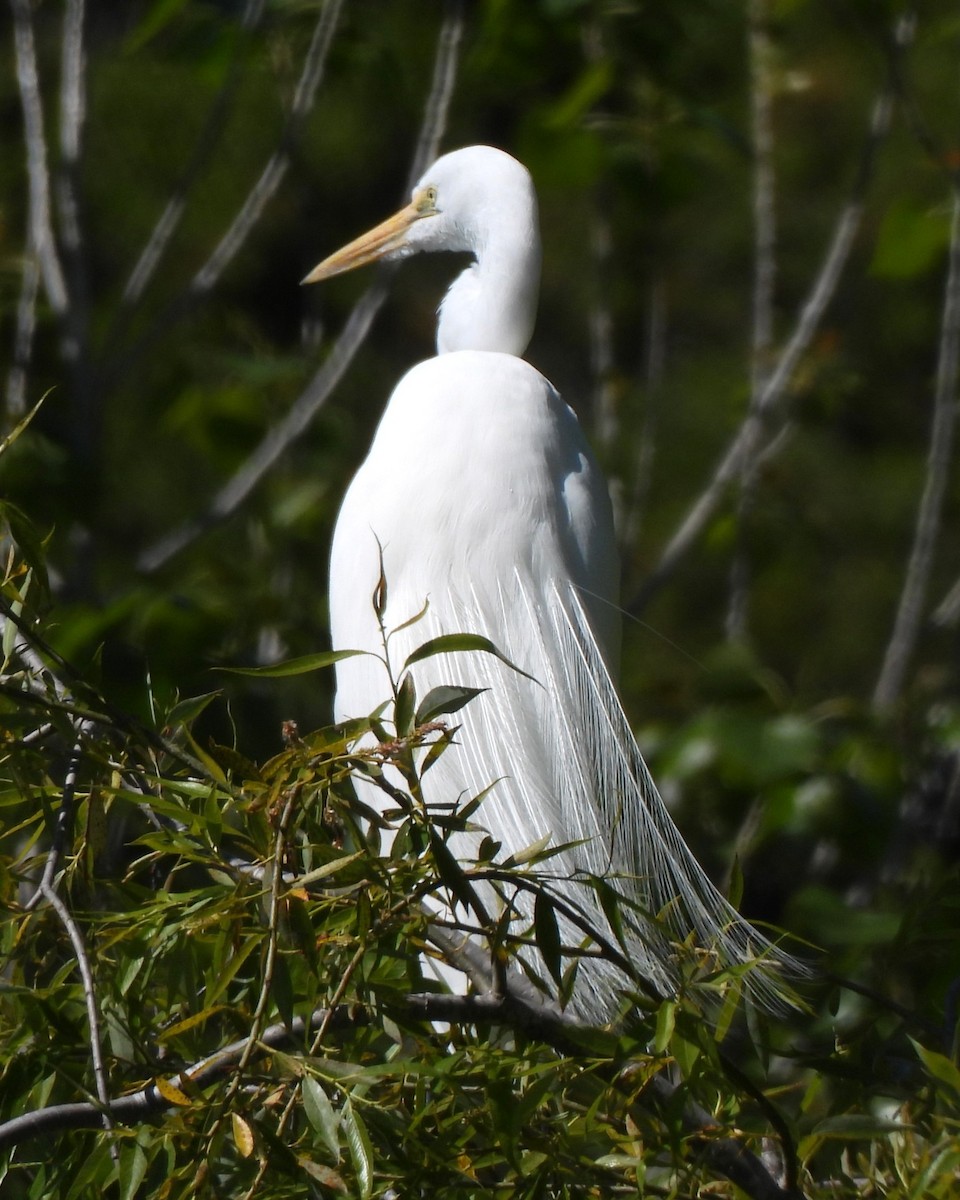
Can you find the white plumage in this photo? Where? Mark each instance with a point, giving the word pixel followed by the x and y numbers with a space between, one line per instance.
pixel 486 503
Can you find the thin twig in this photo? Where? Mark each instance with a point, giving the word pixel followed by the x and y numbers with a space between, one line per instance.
pixel 749 436
pixel 279 439
pixel 906 627
pixel 28 81
pixel 63 826
pixel 947 613
pixel 90 998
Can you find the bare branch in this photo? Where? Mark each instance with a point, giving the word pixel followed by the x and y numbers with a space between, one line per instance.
pixel 746 442
pixel 63 827
pixel 906 627
pixel 136 1107
pixel 90 998
pixel 279 162
pixel 28 81
pixel 26 325
pixel 947 613
pixel 256 200
pixel 764 276
pixel 216 121
pixel 279 439
pixel 725 1155
pixel 445 63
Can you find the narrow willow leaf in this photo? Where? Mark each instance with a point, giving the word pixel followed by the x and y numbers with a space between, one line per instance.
pixel 187 710
pixel 530 852
pixel 730 1005
pixel 329 868
pixel 452 874
pixel 361 1150
pixel 188 1023
pixel 610 903
pixel 321 1115
pixel 295 666
pixel 406 704
pixel 22 424
pixel 454 643
pixel 29 543
pixel 324 1175
pixel 735 887
pixel 380 592
pixel 411 620
pixel 939 1066
pixel 548 935
pixel 133 1166
pixel 857 1125
pixel 445 699
pixel 437 748
pixel 666 1020
pixel 242 1135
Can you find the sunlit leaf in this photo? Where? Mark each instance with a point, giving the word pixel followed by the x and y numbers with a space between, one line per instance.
pixel 440 701
pixel 456 643
pixel 242 1135
pixel 321 1115
pixel 361 1150
pixel 296 666
pixel 171 1093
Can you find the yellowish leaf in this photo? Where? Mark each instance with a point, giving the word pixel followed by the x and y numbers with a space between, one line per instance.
pixel 242 1135
pixel 171 1093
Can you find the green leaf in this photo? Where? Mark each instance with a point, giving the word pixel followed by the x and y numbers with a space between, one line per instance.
pixel 547 933
pixel 857 1125
pixel 666 1021
pixel 444 699
pixel 321 1114
pixel 361 1150
pixel 328 868
pixel 133 1164
pixel 295 666
pixel 940 1067
pixel 406 703
pixel 185 711
pixel 528 853
pixel 324 1175
pixel 457 643
pixel 29 543
pixel 452 874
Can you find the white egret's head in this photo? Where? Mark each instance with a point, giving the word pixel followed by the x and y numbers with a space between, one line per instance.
pixel 459 203
pixel 478 200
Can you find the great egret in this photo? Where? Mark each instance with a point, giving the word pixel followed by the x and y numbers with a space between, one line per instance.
pixel 483 498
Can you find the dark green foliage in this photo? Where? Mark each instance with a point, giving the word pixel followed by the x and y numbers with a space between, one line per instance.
pixel 219 867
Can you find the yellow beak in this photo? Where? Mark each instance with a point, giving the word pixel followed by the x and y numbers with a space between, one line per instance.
pixel 388 235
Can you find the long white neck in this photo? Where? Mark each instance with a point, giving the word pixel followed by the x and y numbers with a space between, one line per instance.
pixel 492 305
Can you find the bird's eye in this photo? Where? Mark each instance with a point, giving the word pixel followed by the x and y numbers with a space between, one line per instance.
pixel 426 201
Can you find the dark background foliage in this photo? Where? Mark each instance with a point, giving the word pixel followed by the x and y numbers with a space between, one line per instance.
pixel 757 669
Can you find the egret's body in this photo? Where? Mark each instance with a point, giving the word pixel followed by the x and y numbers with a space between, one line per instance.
pixel 483 498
